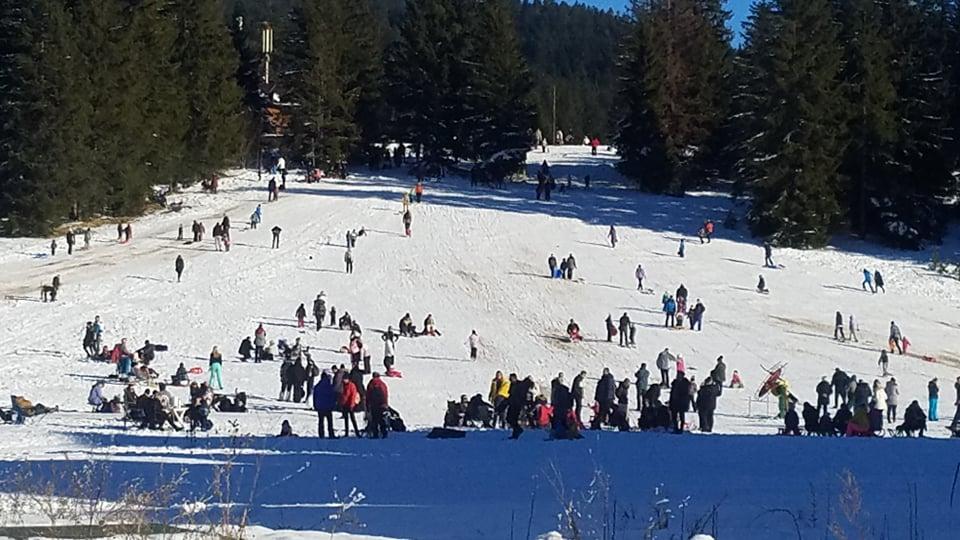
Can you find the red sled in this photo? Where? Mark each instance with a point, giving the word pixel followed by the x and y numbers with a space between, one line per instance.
pixel 196 371
pixel 394 373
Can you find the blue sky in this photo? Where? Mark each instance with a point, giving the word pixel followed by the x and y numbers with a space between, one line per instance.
pixel 740 9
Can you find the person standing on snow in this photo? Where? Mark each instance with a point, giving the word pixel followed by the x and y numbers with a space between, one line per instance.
pixel 53 247
pixel 389 349
pixel 272 194
pixel 515 404
pixel 474 343
pixel 839 381
pixel 933 393
pixel 552 264
pixel 642 384
pixel 640 275
pixel 895 337
pixel 259 342
pixel 624 330
pixel 682 250
pixel 706 404
pixel 853 327
pixel 612 235
pixel 893 398
pixel 324 402
pixel 884 362
pixel 670 309
pixel 838 327
pixel 611 329
pixel 823 396
pixel 282 169
pixel 407 222
pixel 418 191
pixel 218 236
pixel 71 239
pixel 571 266
pixel 768 255
pixel 319 310
pixel 679 401
pixel 878 282
pixel 576 392
pixel 276 236
pixel 301 315
pixel 348 260
pixel 216 369
pixel 664 359
pixel 868 281
pixel 178 266
pixel 696 316
pixel 605 395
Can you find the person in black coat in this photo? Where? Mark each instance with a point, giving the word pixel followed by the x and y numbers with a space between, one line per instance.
pixel 297 376
pixel 356 377
pixel 576 392
pixel 825 426
pixel 810 418
pixel 605 395
pixel 841 418
pixel 791 421
pixel 515 404
pixel 679 401
pixel 246 347
pixel 707 404
pixel 840 381
pixel 823 396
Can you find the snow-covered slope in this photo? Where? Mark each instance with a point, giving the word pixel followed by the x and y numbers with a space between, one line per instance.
pixel 476 260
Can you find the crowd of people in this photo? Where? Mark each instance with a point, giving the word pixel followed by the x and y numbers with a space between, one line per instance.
pixel 512 402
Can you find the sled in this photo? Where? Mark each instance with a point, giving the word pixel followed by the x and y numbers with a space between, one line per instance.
pixel 195 371
pixel 773 377
pixel 394 373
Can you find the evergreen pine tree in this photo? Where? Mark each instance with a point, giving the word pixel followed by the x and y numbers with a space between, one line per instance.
pixel 208 66
pixel 871 115
pixel 325 76
pixel 795 154
pixel 908 209
pixel 43 107
pixel 158 90
pixel 683 78
pixel 429 72
pixel 504 86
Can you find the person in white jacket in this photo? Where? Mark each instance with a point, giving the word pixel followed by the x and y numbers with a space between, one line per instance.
pixel 854 328
pixel 641 275
pixel 389 348
pixel 474 342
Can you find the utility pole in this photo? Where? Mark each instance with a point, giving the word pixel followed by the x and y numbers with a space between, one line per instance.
pixel 555 116
pixel 266 49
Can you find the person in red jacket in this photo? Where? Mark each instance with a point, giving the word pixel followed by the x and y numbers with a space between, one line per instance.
pixel 377 405
pixel 594 144
pixel 349 399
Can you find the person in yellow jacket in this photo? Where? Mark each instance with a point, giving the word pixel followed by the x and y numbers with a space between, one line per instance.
pixel 499 392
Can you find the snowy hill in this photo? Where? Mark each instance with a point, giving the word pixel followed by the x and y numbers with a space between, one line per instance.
pixel 476 260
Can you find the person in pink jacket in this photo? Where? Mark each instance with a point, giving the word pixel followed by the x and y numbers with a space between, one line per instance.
pixel 681 365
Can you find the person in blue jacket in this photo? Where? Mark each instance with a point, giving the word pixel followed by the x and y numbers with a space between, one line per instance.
pixel 324 402
pixel 670 308
pixel 868 281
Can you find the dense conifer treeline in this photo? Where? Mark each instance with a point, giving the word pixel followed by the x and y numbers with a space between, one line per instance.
pixel 833 115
